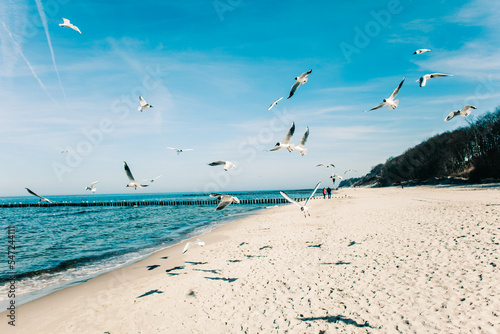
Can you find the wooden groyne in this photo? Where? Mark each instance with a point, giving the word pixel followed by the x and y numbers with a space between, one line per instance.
pixel 145 203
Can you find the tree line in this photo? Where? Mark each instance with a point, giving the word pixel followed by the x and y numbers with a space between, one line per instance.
pixel 468 154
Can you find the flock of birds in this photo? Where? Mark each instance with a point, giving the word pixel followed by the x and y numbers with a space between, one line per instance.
pixel 224 200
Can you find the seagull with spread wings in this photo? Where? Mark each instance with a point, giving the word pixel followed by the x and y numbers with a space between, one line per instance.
pixel 42 199
pixel 133 183
pixel 420 51
pixel 423 79
pixel 191 244
pixel 227 164
pixel 68 24
pixel 180 150
pixel 225 200
pixel 274 103
pixel 302 143
pixel 153 180
pixel 286 142
pixel 304 207
pixel 326 166
pixel 390 102
pixel 302 79
pixel 464 112
pixel 91 187
pixel 143 104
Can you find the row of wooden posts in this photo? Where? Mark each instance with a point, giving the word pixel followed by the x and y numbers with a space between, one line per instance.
pixel 146 203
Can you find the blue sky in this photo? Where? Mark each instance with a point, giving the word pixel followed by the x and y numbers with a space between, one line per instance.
pixel 211 69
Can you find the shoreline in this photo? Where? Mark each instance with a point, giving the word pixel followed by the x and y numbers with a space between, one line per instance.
pixel 357 264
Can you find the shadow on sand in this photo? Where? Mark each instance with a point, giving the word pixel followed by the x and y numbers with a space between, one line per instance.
pixel 335 319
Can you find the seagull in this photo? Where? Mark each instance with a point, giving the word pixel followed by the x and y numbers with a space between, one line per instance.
pixel 350 170
pixel 423 80
pixel 42 199
pixel 302 143
pixel 390 102
pixel 336 176
pixel 143 105
pixel 67 24
pixel 153 180
pixel 420 51
pixel 225 200
pixel 191 244
pixel 179 150
pixel 286 142
pixel 64 151
pixel 133 182
pixel 274 103
pixel 299 80
pixel 326 166
pixel 303 208
pixel 464 112
pixel 92 188
pixel 227 164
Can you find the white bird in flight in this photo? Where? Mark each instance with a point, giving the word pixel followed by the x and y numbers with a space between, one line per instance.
pixel 225 200
pixel 91 187
pixel 423 79
pixel 336 176
pixel 464 112
pixel 143 104
pixel 350 170
pixel 133 182
pixel 420 51
pixel 304 207
pixel 390 102
pixel 191 244
pixel 42 199
pixel 153 180
pixel 67 24
pixel 326 166
pixel 180 150
pixel 227 164
pixel 302 79
pixel 274 103
pixel 286 142
pixel 302 143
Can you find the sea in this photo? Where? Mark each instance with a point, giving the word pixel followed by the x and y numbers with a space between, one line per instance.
pixel 57 247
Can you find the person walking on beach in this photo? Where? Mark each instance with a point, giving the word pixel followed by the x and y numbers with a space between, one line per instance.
pixel 324 192
pixel 329 191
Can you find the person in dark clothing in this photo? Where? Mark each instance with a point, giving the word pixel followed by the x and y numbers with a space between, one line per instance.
pixel 329 191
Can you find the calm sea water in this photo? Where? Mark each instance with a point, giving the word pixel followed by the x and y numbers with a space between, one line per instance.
pixel 62 246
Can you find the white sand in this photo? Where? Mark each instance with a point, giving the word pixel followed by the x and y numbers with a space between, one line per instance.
pixel 413 260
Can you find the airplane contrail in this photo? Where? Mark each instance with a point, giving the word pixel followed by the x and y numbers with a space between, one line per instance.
pixel 28 63
pixel 46 27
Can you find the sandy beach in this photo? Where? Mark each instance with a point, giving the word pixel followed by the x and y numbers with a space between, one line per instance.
pixel 413 260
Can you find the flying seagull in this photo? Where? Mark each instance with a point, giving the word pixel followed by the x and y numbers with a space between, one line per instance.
pixel 464 112
pixel 191 244
pixel 133 182
pixel 42 199
pixel 227 164
pixel 390 102
pixel 303 208
pixel 420 51
pixel 302 143
pixel 423 80
pixel 153 180
pixel 225 200
pixel 179 150
pixel 286 142
pixel 274 103
pixel 299 80
pixel 91 187
pixel 67 24
pixel 350 170
pixel 326 166
pixel 143 104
